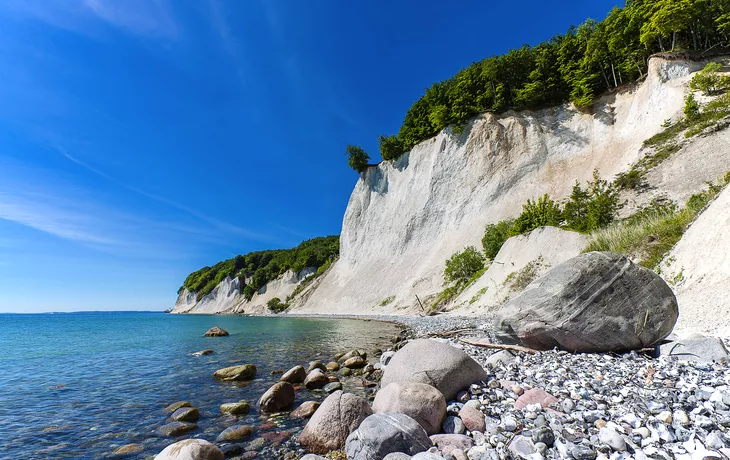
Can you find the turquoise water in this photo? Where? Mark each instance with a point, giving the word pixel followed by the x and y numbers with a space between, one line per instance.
pixel 79 385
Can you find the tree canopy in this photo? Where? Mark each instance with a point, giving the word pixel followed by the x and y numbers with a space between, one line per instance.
pixel 576 66
pixel 255 269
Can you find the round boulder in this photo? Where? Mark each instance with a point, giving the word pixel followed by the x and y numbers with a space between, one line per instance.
pixel 316 380
pixel 295 375
pixel 384 433
pixel 316 365
pixel 356 362
pixel 423 403
pixel 335 419
pixel 236 373
pixel 446 368
pixel 277 398
pixel 595 302
pixel 306 410
pixel 216 331
pixel 235 433
pixel 177 405
pixel 191 449
pixel 236 408
pixel 186 414
pixel 333 366
pixel 175 429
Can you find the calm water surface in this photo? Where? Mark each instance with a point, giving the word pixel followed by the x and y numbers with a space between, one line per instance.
pixel 79 385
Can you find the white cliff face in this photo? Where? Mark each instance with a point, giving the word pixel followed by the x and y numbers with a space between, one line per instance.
pixel 228 297
pixel 404 219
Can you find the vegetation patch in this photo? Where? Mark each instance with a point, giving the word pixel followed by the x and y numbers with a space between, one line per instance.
pixel 276 305
pixel 577 66
pixel 650 234
pixel 387 301
pixel 478 295
pixel 255 269
pixel 519 280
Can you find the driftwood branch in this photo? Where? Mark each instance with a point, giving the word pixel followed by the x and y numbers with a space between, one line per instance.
pixel 499 346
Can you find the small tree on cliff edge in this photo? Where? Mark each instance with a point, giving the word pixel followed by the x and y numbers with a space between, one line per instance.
pixel 357 158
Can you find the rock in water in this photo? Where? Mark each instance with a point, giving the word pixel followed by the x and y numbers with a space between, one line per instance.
pixel 235 433
pixel 177 405
pixel 277 398
pixel 596 302
pixel 423 403
pixel 236 408
pixel 175 429
pixel 335 419
pixel 216 332
pixel 440 365
pixel 186 414
pixel 356 362
pixel 191 449
pixel 294 375
pixel 236 373
pixel 306 410
pixel 316 380
pixel 384 433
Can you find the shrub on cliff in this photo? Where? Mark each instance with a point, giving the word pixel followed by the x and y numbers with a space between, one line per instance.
pixel 494 237
pixel 357 158
pixel 461 266
pixel 391 148
pixel 535 214
pixel 592 208
pixel 708 81
pixel 276 305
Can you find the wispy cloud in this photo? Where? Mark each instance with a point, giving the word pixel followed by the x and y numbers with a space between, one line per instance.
pixel 232 46
pixel 219 224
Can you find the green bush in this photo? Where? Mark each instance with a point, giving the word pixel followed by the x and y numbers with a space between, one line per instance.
pixel 535 214
pixel 691 107
pixel 592 208
pixel 276 305
pixel 391 148
pixel 357 158
pixel 461 266
pixel 707 80
pixel 494 237
pixel 629 180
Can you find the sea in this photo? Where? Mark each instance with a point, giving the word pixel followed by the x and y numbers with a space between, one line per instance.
pixel 80 385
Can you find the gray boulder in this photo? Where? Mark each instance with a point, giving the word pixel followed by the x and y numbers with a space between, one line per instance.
pixel 316 380
pixel 698 349
pixel 334 420
pixel 384 433
pixel 423 403
pixel 397 456
pixel 191 449
pixel 595 302
pixel 446 368
pixel 236 373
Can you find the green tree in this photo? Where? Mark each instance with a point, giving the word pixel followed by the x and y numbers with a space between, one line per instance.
pixel 494 237
pixel 592 208
pixel 461 266
pixel 391 148
pixel 276 305
pixel 707 80
pixel 541 213
pixel 357 158
pixel 691 107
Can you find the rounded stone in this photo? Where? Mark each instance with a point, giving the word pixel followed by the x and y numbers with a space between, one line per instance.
pixel 333 421
pixel 384 433
pixel 316 380
pixel 295 375
pixel 422 402
pixel 216 331
pixel 356 362
pixel 306 410
pixel 278 398
pixel 236 408
pixel 191 449
pixel 186 414
pixel 177 405
pixel 175 429
pixel 236 373
pixel 235 433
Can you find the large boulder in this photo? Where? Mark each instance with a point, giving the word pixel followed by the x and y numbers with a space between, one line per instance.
pixel 384 433
pixel 236 373
pixel 446 368
pixel 596 302
pixel 191 449
pixel 333 421
pixel 423 403
pixel 277 398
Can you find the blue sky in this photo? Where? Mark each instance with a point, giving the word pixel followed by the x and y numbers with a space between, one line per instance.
pixel 143 139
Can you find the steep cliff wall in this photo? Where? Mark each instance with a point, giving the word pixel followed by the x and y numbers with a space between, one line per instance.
pixel 227 297
pixel 404 219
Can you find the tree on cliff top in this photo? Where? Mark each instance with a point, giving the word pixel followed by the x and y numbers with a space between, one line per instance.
pixel 357 158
